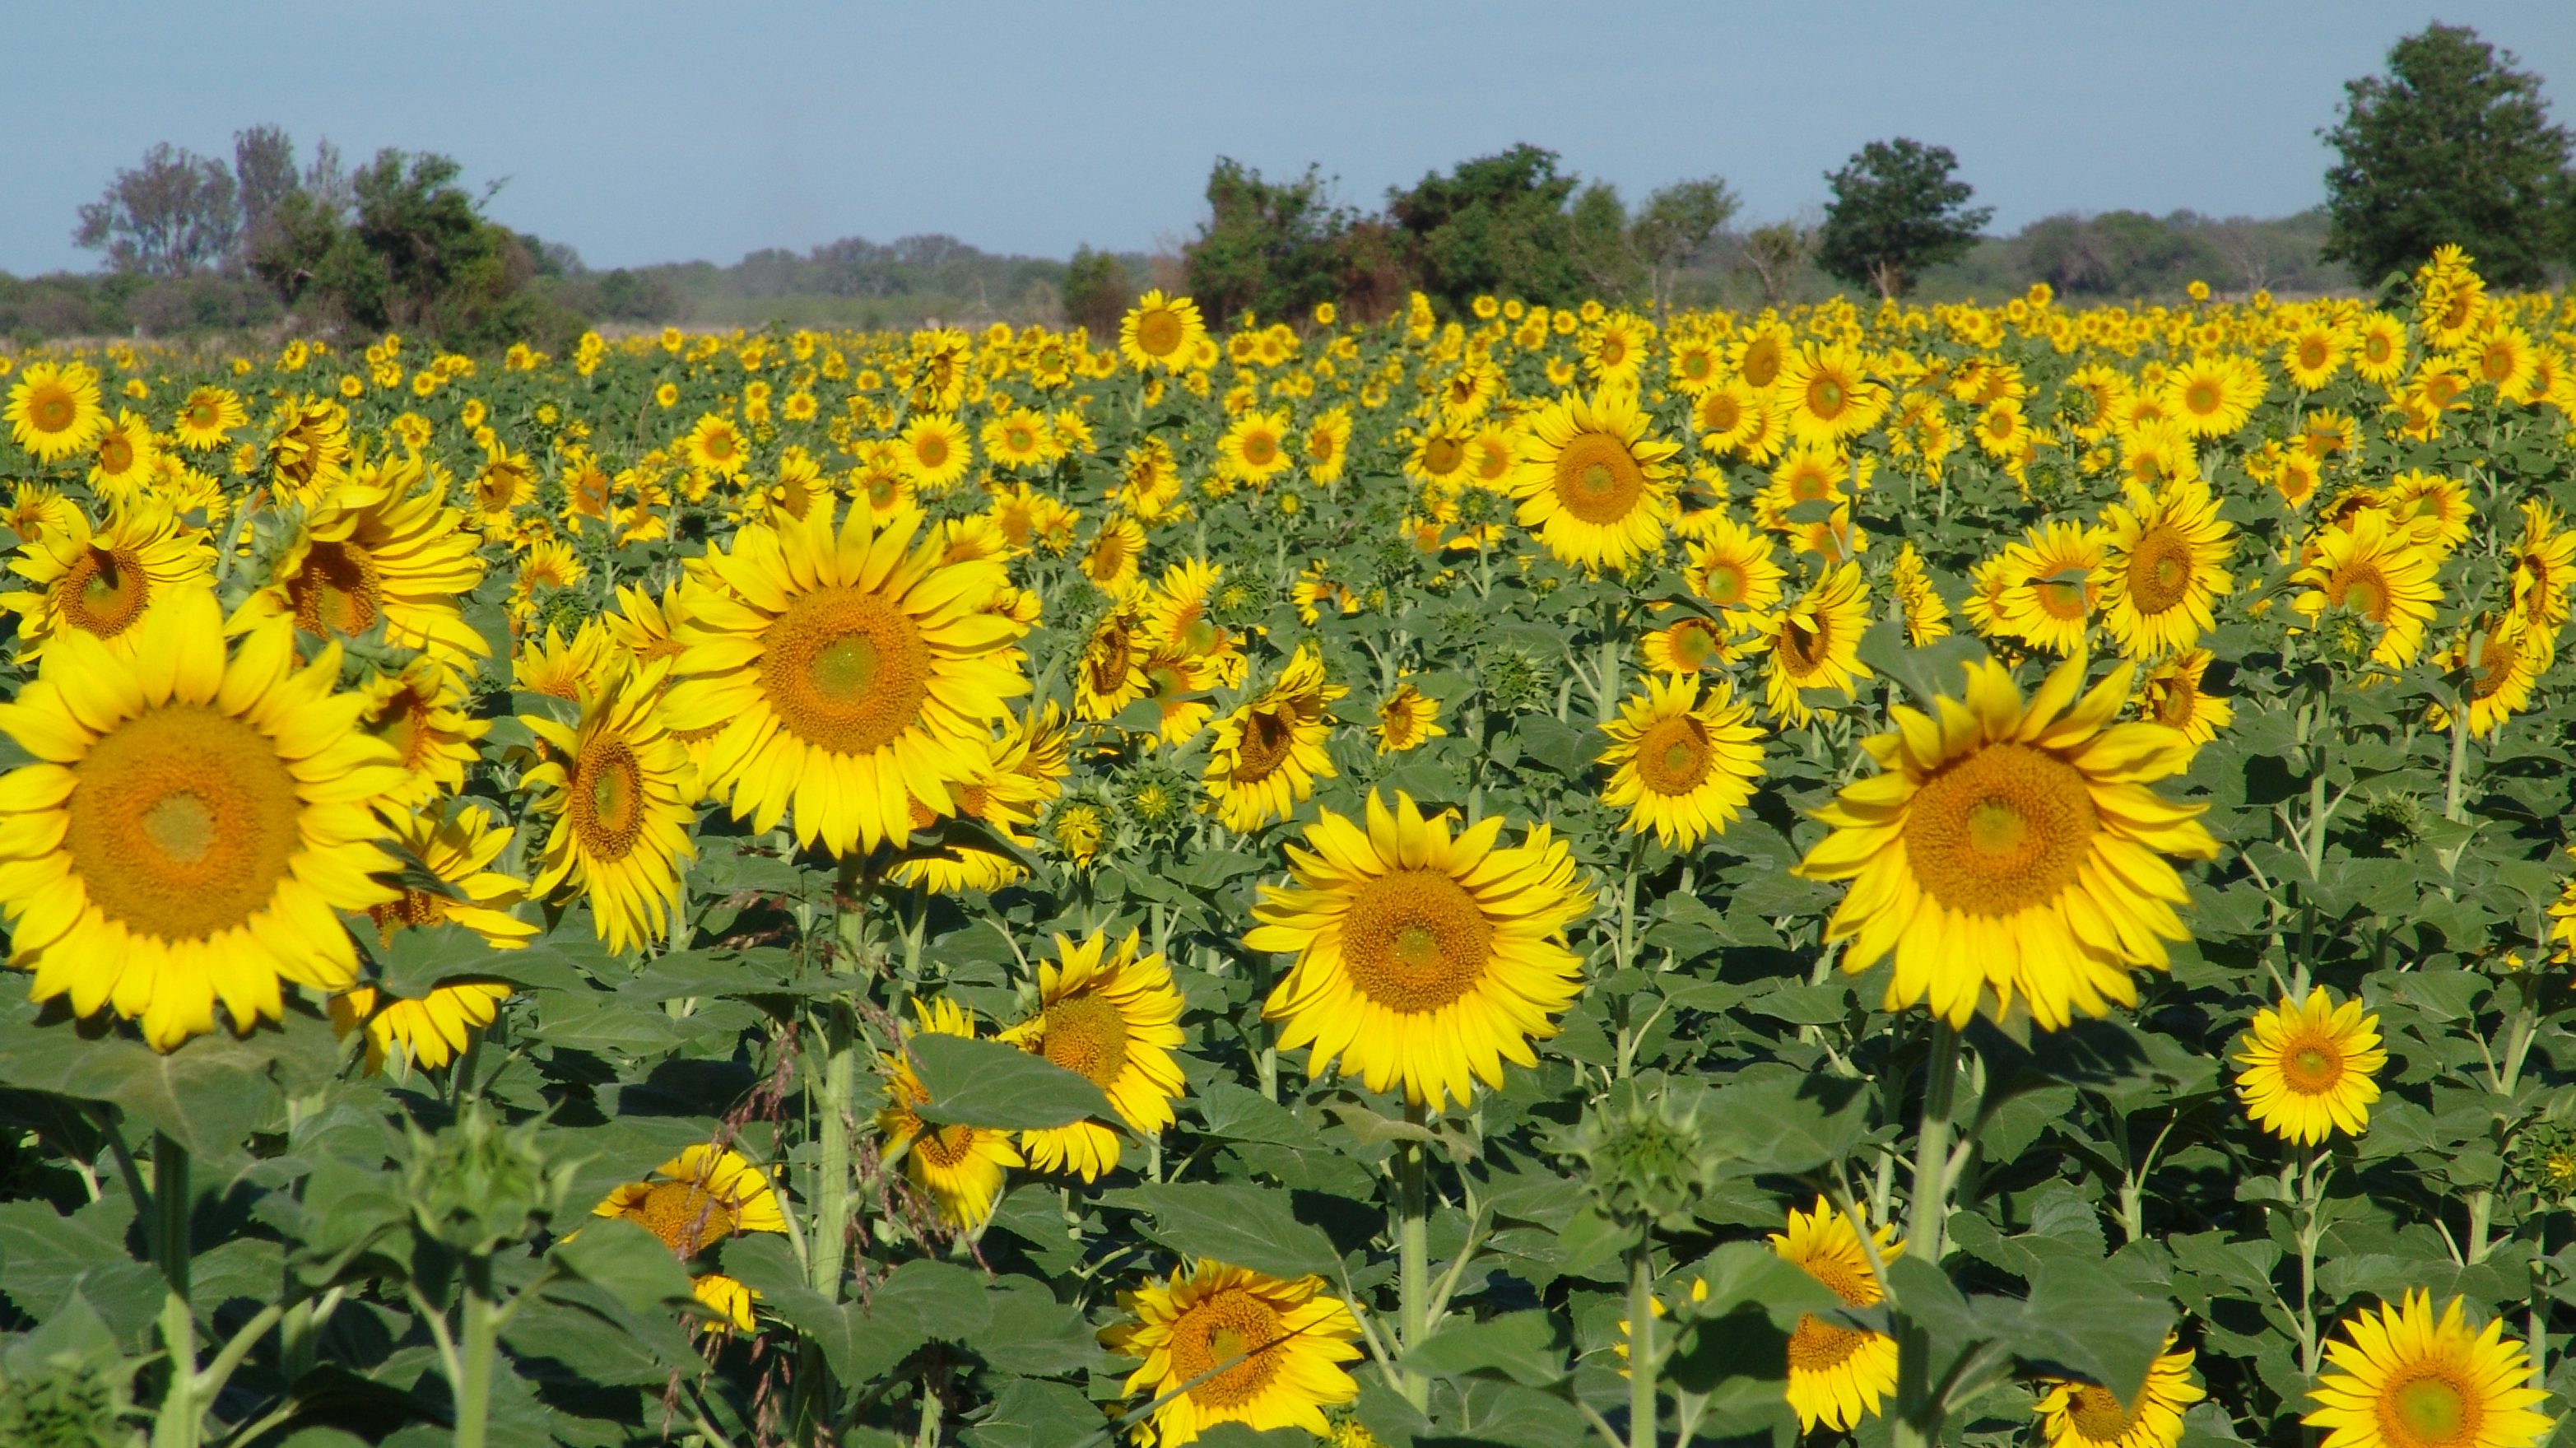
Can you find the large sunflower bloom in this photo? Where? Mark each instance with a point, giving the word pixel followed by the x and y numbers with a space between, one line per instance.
pixel 2013 849
pixel 103 581
pixel 961 1168
pixel 2402 1378
pixel 1422 958
pixel 381 547
pixel 192 826
pixel 1837 1375
pixel 1112 1017
pixel 55 411
pixel 618 787
pixel 2375 570
pixel 852 674
pixel 2309 1067
pixel 1830 397
pixel 1815 644
pixel 1267 755
pixel 1292 1338
pixel 2057 585
pixel 2165 564
pixel 1682 766
pixel 2076 1414
pixel 1592 483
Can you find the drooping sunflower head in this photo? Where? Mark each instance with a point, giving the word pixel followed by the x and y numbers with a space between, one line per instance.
pixel 961 1168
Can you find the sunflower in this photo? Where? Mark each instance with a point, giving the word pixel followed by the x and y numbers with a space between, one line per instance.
pixel 728 1300
pixel 961 1168
pixel 1254 448
pixel 715 446
pixel 1268 753
pixel 192 823
pixel 2544 566
pixel 1114 559
pixel 1731 566
pixel 1837 1374
pixel 2013 849
pixel 1927 618
pixel 2076 1414
pixel 1325 446
pixel 104 582
pixel 429 1032
pixel 1112 672
pixel 2433 508
pixel 1007 793
pixel 2313 355
pixel 1725 415
pixel 2057 586
pixel 1179 615
pixel 1592 482
pixel 455 846
pixel 382 549
pixel 1690 644
pixel 2164 563
pixel 55 411
pixel 1438 456
pixel 124 455
pixel 2379 348
pixel 1830 397
pixel 1682 766
pixel 2401 1378
pixel 1815 644
pixel 697 1199
pixel 1422 958
pixel 852 673
pixel 1161 332
pixel 1018 439
pixel 2374 569
pixel 2308 1068
pixel 1292 1340
pixel 2174 695
pixel 570 671
pixel 934 452
pixel 618 787
pixel 1408 719
pixel 1112 1017
pixel 2214 396
pixel 1760 353
pixel 2503 657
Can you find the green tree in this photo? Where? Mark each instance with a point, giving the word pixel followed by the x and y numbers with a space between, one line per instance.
pixel 1677 225
pixel 168 216
pixel 1271 247
pixel 1097 293
pixel 1897 209
pixel 1497 225
pixel 2452 145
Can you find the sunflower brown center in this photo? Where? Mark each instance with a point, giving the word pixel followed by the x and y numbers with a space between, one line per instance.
pixel 1221 1327
pixel 1692 645
pixel 2201 398
pixel 182 822
pixel 2066 594
pixel 1719 415
pixel 1806 640
pixel 2312 1065
pixel 2362 588
pixel 52 410
pixel 1260 446
pixel 1158 333
pixel 931 450
pixel 1826 396
pixel 337 591
pixel 945 1146
pixel 607 799
pixel 1597 478
pixel 1442 454
pixel 2002 830
pixel 104 591
pixel 684 1215
pixel 2098 1416
pixel 1819 1346
pixel 1761 364
pixel 1087 1036
pixel 2159 569
pixel 1726 583
pixel 845 670
pixel 2498 657
pixel 2432 1409
pixel 2312 353
pixel 1268 737
pixel 1673 755
pixel 1415 941
pixel 115 453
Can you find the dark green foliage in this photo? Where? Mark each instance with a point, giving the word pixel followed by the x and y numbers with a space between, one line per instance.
pixel 1502 226
pixel 2452 145
pixel 1272 248
pixel 175 212
pixel 1096 293
pixel 1897 209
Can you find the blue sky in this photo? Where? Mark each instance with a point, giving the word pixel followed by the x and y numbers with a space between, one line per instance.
pixel 642 132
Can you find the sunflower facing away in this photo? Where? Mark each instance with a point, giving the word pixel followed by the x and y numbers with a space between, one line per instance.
pixel 2013 849
pixel 1292 1340
pixel 2401 1378
pixel 1422 957
pixel 2309 1067
pixel 619 789
pixel 192 825
pixel 1837 1374
pixel 102 581
pixel 852 674
pixel 1266 756
pixel 960 1168
pixel 1680 764
pixel 2086 1415
pixel 1113 1017
pixel 1594 486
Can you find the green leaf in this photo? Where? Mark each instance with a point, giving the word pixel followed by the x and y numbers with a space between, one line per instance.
pixel 1528 1348
pixel 1000 1087
pixel 1245 1226
pixel 1030 1413
pixel 629 1263
pixel 2083 1317
pixel 422 956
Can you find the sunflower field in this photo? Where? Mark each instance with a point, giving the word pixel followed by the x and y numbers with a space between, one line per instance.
pixel 1901 875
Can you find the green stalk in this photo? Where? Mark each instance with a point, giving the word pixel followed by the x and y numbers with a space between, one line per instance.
pixel 1645 1361
pixel 1931 1208
pixel 181 1417
pixel 478 1345
pixel 1413 1256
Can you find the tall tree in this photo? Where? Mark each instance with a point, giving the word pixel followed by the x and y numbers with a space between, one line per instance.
pixel 1897 209
pixel 1271 247
pixel 175 212
pixel 1497 225
pixel 263 175
pixel 2453 145
pixel 1675 227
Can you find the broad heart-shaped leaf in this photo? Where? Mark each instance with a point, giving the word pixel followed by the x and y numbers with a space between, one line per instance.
pixel 1000 1087
pixel 2082 1316
pixel 1029 1413
pixel 631 1263
pixel 1926 673
pixel 1526 1347
pixel 422 956
pixel 1789 1122
pixel 1244 1226
pixel 1740 1273
pixel 207 1095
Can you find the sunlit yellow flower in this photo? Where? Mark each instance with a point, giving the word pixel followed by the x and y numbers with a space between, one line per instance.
pixel 2309 1068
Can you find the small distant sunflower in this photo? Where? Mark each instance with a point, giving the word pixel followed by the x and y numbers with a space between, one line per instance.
pixel 1254 448
pixel 1830 397
pixel 1594 485
pixel 1112 672
pixel 1267 754
pixel 2013 849
pixel 1115 558
pixel 934 452
pixel 2173 694
pixel 2401 1378
pixel 2164 565
pixel 124 456
pixel 715 445
pixel 2076 1414
pixel 1161 332
pixel 618 788
pixel 1690 644
pixel 1408 719
pixel 1112 1017
pixel 1837 1375
pixel 2309 1067
pixel 2375 570
pixel 55 410
pixel 1683 766
pixel 961 1168
pixel 1422 958
pixel 428 1032
pixel 2214 396
pixel 1292 1338
pixel 1815 644
pixel 2312 356
pixel 2504 658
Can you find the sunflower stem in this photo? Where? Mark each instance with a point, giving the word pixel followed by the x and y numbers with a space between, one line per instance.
pixel 1645 1359
pixel 1413 1256
pixel 1931 1213
pixel 476 1347
pixel 181 1417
